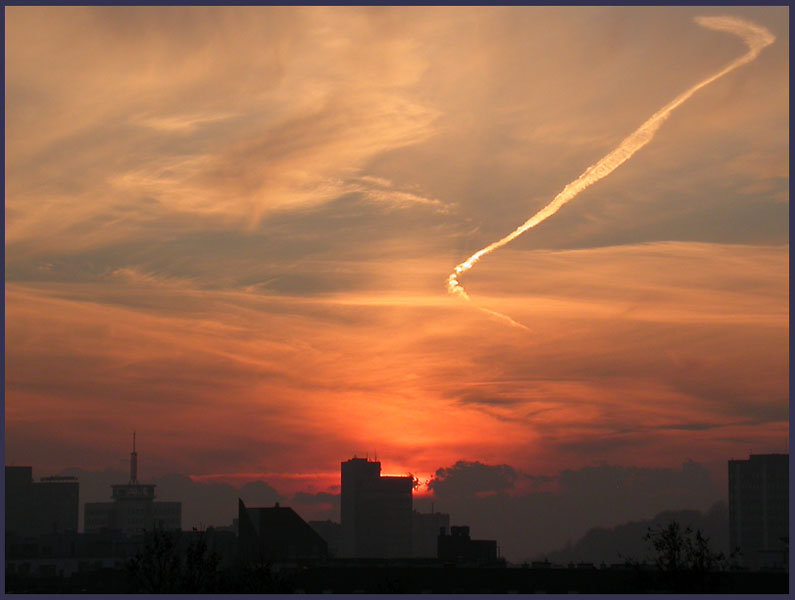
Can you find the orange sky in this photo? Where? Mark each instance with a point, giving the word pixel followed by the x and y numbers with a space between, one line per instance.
pixel 230 230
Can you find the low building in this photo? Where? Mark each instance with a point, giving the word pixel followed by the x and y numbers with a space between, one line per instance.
pixel 458 547
pixel 276 534
pixel 67 553
pixel 330 531
pixel 50 505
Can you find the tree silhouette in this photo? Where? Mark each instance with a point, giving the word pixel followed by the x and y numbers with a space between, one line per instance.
pixel 684 558
pixel 200 569
pixel 160 566
pixel 155 568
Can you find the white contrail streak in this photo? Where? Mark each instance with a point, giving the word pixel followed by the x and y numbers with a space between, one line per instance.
pixel 754 36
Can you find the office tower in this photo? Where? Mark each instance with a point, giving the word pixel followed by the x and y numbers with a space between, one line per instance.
pixel 375 511
pixel 759 510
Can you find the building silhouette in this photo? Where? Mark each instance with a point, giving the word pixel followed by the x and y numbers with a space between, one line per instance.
pixel 50 505
pixel 425 529
pixel 458 547
pixel 331 532
pixel 375 511
pixel 276 533
pixel 759 510
pixel 133 508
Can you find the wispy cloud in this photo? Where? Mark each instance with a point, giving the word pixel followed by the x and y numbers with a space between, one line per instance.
pixel 236 222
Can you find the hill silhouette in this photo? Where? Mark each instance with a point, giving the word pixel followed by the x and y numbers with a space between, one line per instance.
pixel 626 541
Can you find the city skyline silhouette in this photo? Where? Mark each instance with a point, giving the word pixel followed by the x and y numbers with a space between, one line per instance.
pixel 383 541
pixel 555 512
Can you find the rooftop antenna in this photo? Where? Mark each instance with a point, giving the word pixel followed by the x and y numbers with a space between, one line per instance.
pixel 133 463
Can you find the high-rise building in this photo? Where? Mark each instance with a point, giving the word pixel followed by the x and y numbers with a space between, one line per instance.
pixel 375 511
pixel 759 510
pixel 50 505
pixel 133 508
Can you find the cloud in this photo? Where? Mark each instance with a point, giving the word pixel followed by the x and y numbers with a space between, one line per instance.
pixel 233 225
pixel 184 123
pixel 466 479
pixel 240 113
pixel 259 493
pixel 535 521
pixel 282 129
pixel 320 506
pixel 629 349
pixel 318 498
pixel 382 191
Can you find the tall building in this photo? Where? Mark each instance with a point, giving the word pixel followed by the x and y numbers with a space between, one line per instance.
pixel 759 510
pixel 375 511
pixel 50 505
pixel 276 533
pixel 133 508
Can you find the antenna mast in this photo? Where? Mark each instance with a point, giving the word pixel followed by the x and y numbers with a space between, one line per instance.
pixel 133 463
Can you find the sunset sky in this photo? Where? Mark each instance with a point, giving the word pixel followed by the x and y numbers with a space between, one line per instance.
pixel 230 230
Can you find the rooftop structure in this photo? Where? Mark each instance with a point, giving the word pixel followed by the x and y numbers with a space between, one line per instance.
pixel 133 508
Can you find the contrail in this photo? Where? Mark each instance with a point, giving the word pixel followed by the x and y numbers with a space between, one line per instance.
pixel 754 36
